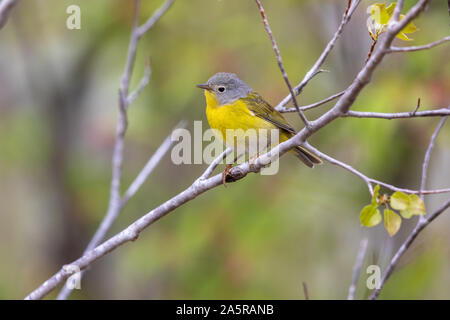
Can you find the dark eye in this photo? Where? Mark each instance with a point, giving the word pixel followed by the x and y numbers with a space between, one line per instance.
pixel 221 89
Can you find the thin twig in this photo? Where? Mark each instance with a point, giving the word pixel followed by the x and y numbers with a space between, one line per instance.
pixel 305 290
pixel 214 165
pixel 367 180
pixel 142 84
pixel 398 9
pixel 351 7
pixel 374 43
pixel 427 113
pixel 313 105
pixel 427 157
pixel 280 62
pixel 418 48
pixel 416 108
pixel 144 28
pixel 149 167
pixel 340 164
pixel 6 7
pixel 357 268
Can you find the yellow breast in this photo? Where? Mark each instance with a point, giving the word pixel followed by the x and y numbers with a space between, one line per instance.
pixel 232 116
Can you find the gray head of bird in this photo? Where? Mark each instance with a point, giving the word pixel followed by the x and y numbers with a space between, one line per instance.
pixel 227 87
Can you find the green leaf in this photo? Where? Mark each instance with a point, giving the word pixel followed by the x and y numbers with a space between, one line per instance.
pixel 379 13
pixel 399 201
pixel 370 216
pixel 392 221
pixel 376 194
pixel 403 36
pixel 416 205
pixel 390 9
pixel 410 28
pixel 406 214
pixel 379 16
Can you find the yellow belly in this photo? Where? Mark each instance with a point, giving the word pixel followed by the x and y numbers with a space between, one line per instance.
pixel 237 119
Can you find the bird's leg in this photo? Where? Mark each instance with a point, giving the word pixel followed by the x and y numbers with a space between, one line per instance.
pixel 228 168
pixel 253 159
pixel 225 173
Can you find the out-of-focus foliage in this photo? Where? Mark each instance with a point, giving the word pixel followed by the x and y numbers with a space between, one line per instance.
pixel 258 238
pixel 392 221
pixel 379 17
pixel 407 205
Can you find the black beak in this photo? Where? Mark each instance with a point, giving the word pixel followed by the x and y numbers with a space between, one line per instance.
pixel 204 86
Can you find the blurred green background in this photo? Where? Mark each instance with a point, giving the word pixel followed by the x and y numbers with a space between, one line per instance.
pixel 258 238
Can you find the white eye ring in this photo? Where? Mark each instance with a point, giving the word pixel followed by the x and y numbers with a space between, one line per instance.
pixel 221 89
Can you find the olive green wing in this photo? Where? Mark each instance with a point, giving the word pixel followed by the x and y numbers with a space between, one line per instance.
pixel 262 109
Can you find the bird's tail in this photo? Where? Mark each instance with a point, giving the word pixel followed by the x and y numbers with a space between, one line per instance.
pixel 306 157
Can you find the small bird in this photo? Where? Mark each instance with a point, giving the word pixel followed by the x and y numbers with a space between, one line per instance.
pixel 232 104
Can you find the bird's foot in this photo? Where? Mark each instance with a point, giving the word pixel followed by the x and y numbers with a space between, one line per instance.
pixel 225 173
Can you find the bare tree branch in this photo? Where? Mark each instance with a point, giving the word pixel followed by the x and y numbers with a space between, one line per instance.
pixel 357 268
pixel 418 48
pixel 280 62
pixel 142 84
pixel 428 113
pixel 132 232
pixel 5 9
pixel 116 202
pixel 398 9
pixel 426 160
pixel 108 220
pixel 238 172
pixel 367 180
pixel 149 167
pixel 154 18
pixel 313 105
pixel 214 165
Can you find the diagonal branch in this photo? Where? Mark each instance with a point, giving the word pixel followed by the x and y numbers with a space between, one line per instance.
pixel 142 84
pixel 313 105
pixel 116 203
pixel 151 164
pixel 143 29
pixel 214 165
pixel 398 9
pixel 357 268
pixel 426 160
pixel 351 7
pixel 280 62
pixel 369 181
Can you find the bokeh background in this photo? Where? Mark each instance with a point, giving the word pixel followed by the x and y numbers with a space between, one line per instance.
pixel 258 238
